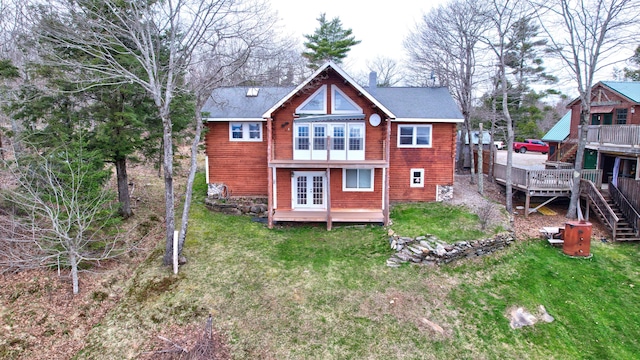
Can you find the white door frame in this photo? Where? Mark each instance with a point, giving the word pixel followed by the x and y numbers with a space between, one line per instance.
pixel 309 205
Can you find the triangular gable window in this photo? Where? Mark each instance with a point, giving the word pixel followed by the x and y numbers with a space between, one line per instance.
pixel 315 104
pixel 341 104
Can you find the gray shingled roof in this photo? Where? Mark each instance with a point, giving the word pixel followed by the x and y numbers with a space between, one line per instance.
pixel 233 102
pixel 418 103
pixel 404 102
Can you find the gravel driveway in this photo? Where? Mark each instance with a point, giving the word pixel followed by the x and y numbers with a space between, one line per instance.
pixel 528 160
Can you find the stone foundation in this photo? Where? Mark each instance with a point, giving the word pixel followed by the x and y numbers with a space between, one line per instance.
pixel 444 192
pixel 429 250
pixel 240 206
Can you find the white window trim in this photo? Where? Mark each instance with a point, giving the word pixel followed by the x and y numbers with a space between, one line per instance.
pixel 344 182
pixel 415 133
pixel 335 89
pixel 411 178
pixel 324 103
pixel 345 154
pixel 245 130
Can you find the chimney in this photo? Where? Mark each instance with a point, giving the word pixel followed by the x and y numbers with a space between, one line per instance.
pixel 373 82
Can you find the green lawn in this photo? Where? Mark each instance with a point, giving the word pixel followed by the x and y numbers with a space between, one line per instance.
pixel 302 292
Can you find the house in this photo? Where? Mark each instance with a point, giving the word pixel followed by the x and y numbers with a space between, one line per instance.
pixel 613 139
pixel 330 150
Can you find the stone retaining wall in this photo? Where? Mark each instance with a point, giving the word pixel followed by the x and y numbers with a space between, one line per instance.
pixel 429 250
pixel 242 206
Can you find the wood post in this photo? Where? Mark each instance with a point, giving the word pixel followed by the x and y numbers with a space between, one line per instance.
pixel 329 220
pixel 270 173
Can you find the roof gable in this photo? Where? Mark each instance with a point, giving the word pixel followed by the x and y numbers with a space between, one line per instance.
pixel 627 89
pixel 315 75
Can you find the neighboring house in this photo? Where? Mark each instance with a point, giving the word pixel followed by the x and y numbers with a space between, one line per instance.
pixel 613 140
pixel 330 150
pixel 560 149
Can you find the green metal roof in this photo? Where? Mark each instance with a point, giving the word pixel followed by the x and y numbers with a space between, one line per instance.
pixel 629 89
pixel 560 130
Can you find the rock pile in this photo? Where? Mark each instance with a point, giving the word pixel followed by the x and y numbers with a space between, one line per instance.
pixel 429 250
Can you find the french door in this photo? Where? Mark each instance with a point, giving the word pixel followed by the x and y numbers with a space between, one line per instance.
pixel 309 190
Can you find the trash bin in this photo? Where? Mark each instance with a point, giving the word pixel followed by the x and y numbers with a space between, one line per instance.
pixel 577 238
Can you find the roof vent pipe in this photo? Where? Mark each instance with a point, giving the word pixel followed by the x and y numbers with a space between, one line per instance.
pixel 373 82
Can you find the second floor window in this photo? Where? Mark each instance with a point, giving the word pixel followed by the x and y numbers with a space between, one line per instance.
pixel 414 135
pixel 621 116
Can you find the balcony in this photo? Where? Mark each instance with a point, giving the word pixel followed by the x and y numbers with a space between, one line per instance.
pixel 614 137
pixel 328 152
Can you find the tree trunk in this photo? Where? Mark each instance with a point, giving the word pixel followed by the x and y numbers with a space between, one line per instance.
pixel 470 139
pixel 73 260
pixel 123 188
pixel 167 145
pixel 192 174
pixel 480 174
pixel 572 212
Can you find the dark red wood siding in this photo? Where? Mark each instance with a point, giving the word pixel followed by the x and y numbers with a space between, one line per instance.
pixel 241 165
pixel 437 162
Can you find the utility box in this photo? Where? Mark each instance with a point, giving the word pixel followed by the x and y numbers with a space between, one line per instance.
pixel 577 238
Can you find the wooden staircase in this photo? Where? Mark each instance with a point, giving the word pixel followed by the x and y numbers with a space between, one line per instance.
pixel 624 230
pixel 569 156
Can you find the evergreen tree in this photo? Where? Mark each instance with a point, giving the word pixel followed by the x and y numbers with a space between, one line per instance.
pixel 633 74
pixel 329 42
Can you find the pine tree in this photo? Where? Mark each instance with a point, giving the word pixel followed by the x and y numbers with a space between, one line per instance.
pixel 633 74
pixel 329 42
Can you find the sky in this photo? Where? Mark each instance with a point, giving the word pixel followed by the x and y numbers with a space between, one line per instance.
pixel 381 26
pixel 382 29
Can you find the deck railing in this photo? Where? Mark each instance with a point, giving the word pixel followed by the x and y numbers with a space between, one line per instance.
pixel 599 204
pixel 551 179
pixel 628 135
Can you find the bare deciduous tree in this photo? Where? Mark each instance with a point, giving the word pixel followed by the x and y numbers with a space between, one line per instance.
pixel 502 15
pixel 446 43
pixel 388 71
pixel 586 35
pixel 56 212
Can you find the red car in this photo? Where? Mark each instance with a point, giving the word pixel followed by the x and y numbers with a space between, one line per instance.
pixel 531 145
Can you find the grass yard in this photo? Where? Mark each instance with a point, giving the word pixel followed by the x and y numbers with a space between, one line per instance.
pixel 301 292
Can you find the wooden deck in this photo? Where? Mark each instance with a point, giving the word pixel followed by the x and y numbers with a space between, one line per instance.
pixel 338 215
pixel 551 183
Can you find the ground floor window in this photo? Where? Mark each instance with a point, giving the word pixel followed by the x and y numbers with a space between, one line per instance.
pixel 357 180
pixel 417 178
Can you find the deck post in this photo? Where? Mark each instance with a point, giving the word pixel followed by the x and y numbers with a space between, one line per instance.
pixel 270 173
pixel 385 171
pixel 526 205
pixel 329 220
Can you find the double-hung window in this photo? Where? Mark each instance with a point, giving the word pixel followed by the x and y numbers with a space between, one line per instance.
pixel 357 180
pixel 245 131
pixel 319 137
pixel 302 137
pixel 414 136
pixel 338 138
pixel 356 137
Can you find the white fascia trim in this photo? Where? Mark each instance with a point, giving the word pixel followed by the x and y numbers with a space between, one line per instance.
pixel 344 75
pixel 235 119
pixel 425 120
